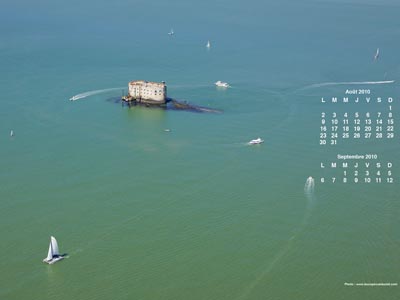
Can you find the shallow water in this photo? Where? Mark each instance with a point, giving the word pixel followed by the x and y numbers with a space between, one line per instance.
pixel 193 212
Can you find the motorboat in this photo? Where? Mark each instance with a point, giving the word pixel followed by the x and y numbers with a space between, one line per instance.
pixel 208 45
pixel 222 84
pixel 256 141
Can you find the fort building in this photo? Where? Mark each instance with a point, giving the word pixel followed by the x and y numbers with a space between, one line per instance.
pixel 147 92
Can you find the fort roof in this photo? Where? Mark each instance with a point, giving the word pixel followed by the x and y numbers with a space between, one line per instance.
pixel 144 82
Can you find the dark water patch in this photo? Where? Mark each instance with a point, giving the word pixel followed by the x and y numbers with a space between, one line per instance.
pixel 184 105
pixel 114 100
pixel 171 104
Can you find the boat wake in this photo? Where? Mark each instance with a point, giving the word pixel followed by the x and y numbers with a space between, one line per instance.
pixel 318 85
pixel 309 193
pixel 91 93
pixel 309 188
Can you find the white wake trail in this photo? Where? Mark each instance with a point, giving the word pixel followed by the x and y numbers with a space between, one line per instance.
pixel 309 187
pixel 317 85
pixel 91 93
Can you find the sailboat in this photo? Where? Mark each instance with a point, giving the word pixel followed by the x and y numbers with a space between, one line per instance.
pixel 208 45
pixel 376 54
pixel 53 255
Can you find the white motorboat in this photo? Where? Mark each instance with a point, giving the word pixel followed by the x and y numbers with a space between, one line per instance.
pixel 74 98
pixel 256 141
pixel 53 254
pixel 221 84
pixel 208 45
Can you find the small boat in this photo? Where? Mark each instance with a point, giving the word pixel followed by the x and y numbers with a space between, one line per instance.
pixel 256 141
pixel 376 54
pixel 208 45
pixel 221 84
pixel 53 255
pixel 171 32
pixel 73 98
pixel 12 133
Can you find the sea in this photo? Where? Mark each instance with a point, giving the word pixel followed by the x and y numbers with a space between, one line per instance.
pixel 151 203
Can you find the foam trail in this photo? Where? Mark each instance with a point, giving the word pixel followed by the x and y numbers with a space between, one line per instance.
pixel 91 93
pixel 309 189
pixel 271 265
pixel 309 193
pixel 317 85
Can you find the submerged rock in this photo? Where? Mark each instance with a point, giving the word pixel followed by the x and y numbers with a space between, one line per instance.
pixel 173 104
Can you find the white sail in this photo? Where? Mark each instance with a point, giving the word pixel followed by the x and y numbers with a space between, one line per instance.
pixel 54 246
pixel 49 254
pixel 376 54
pixel 53 255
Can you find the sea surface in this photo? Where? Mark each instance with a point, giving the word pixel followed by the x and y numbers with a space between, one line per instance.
pixel 192 212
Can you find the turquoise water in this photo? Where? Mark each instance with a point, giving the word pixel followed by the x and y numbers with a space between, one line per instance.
pixel 193 213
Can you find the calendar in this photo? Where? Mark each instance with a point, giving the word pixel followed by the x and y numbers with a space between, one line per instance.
pixel 353 128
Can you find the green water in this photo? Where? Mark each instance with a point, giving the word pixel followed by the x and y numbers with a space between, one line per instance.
pixel 193 213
